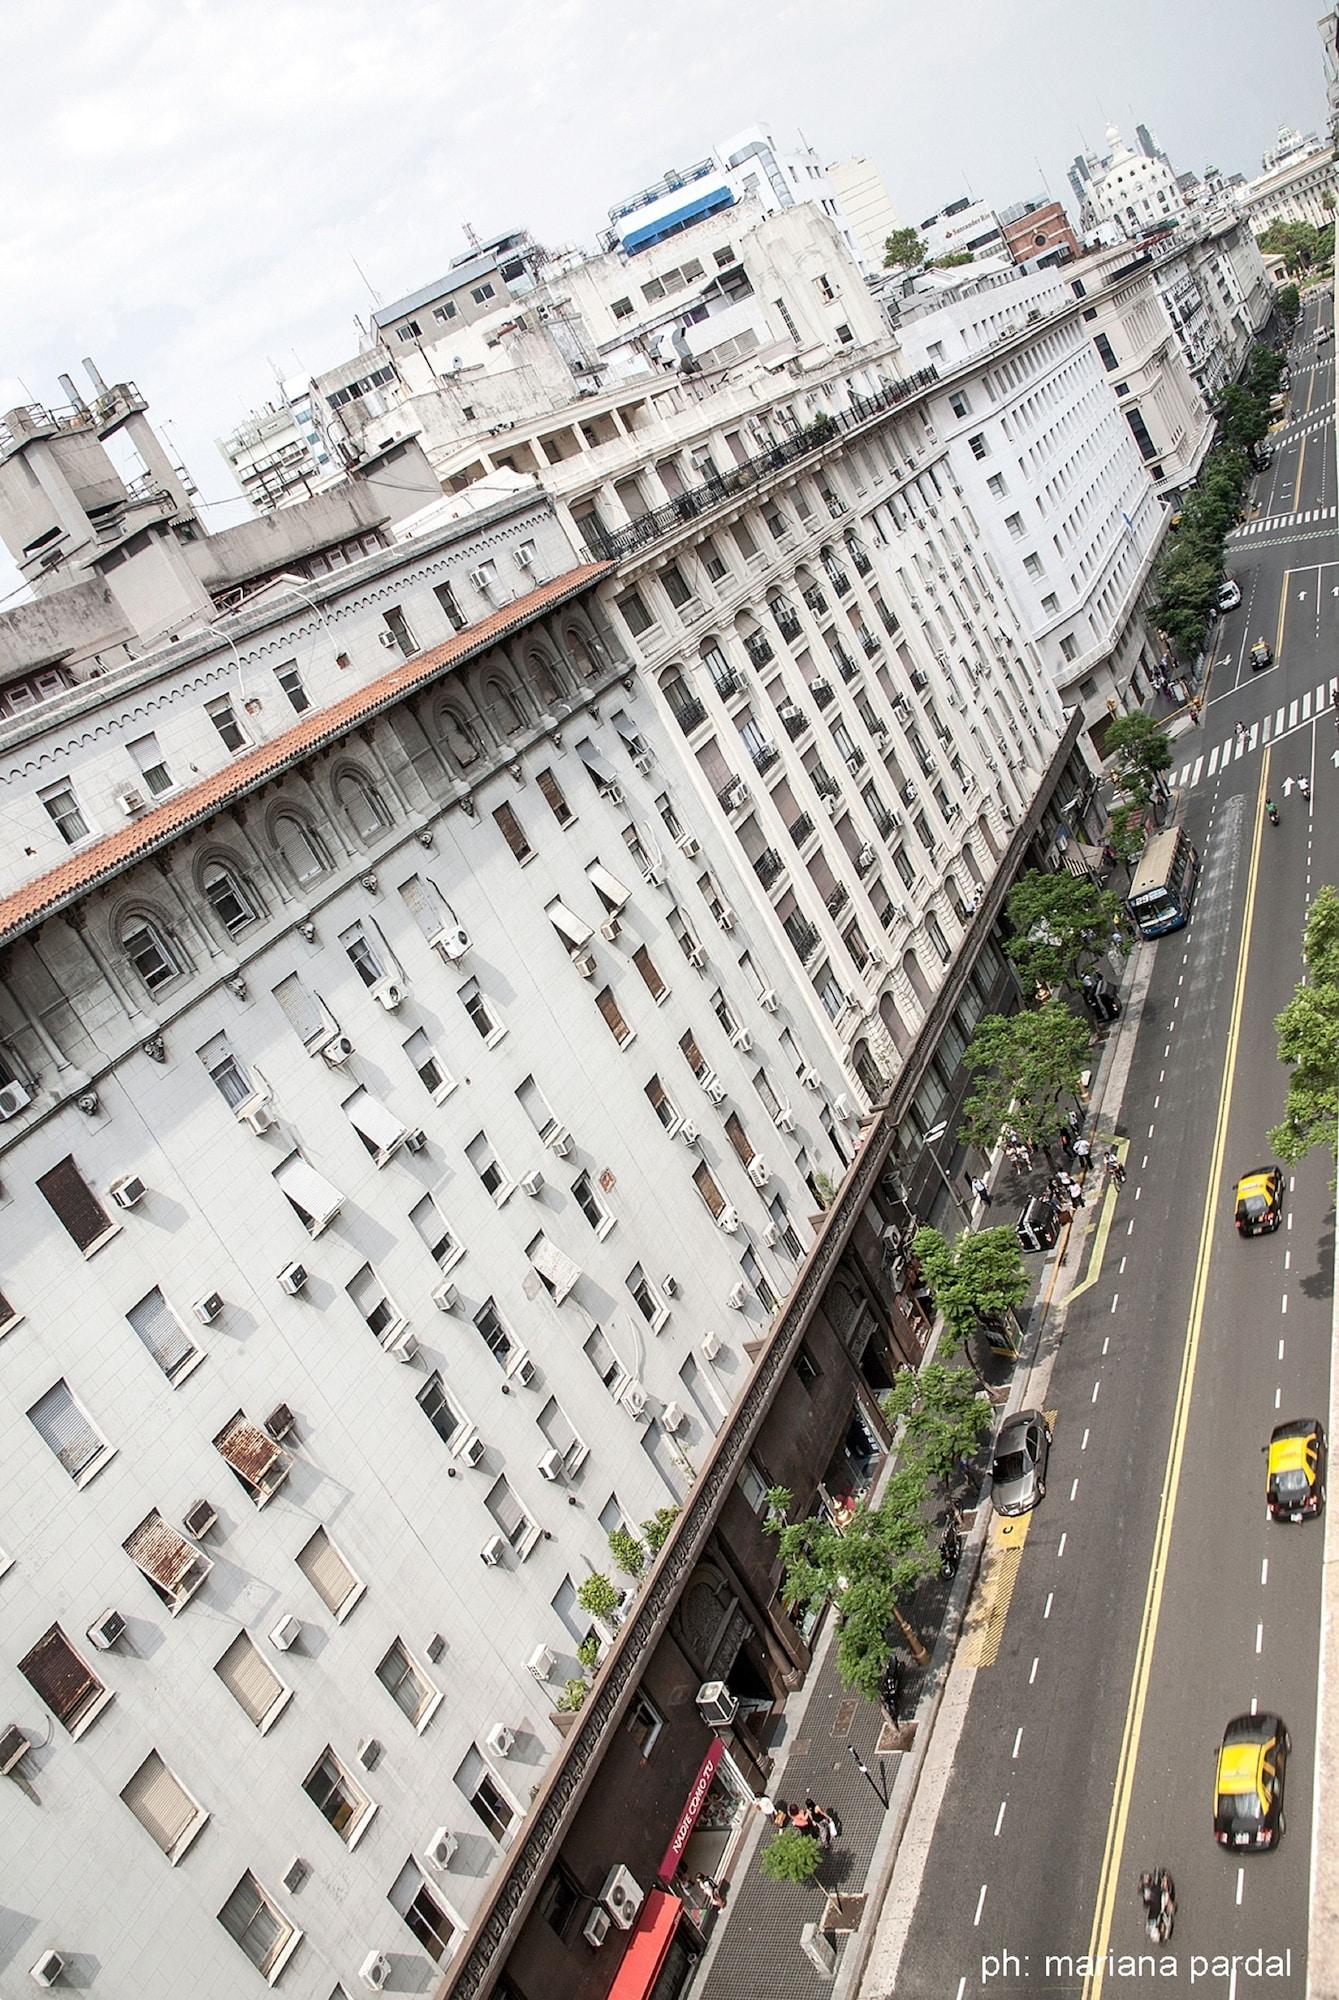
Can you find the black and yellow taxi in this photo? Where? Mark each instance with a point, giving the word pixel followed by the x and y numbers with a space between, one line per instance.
pixel 1295 1470
pixel 1248 1782
pixel 1259 1201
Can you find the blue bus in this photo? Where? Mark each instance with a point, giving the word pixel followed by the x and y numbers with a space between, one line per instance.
pixel 1164 883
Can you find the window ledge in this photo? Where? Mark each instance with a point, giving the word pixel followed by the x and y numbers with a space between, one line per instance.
pixel 271 1716
pixel 492 1039
pixel 91 1713
pixel 604 1226
pixel 659 1320
pixel 434 1704
pixel 101 1242
pixel 365 1820
pixel 355 1595
pixel 187 1368
pixel 286 1952
pixel 8 1326
pixel 99 1464
pixel 444 1090
pixel 184 1845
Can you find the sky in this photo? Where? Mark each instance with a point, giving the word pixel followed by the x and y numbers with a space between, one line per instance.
pixel 199 193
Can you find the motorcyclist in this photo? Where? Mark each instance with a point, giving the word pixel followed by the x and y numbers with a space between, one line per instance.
pixel 1273 812
pixel 1304 785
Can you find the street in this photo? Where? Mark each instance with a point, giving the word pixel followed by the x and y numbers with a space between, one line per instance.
pixel 1152 1599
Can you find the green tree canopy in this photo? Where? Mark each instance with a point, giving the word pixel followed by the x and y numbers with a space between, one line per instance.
pixel 1023 1064
pixel 1298 243
pixel 944 1415
pixel 793 1856
pixel 1288 304
pixel 977 1280
pixel 1127 834
pixel 904 247
pixel 1060 925
pixel 1308 1030
pixel 1143 754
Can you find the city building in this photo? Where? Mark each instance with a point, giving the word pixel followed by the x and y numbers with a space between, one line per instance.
pixel 1328 28
pixel 278 454
pixel 1300 188
pixel 1038 232
pixel 864 200
pixel 1127 190
pixel 965 228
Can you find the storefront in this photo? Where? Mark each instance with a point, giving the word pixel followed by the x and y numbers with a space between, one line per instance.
pixel 710 1828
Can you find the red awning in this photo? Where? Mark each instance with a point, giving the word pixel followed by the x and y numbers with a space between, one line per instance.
pixel 693 1805
pixel 647 1947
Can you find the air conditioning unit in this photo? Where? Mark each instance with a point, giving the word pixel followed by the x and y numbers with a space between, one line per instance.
pixel 14 1747
pixel 368 1752
pixel 559 1141
pixel 292 1278
pixel 655 874
pixel 669 1285
pixel 866 856
pixel 697 957
pixel 832 806
pixel 500 1740
pixel 14 1097
pixel 673 1417
pixel 390 993
pixel 551 1465
pixel 541 1663
pixel 281 1422
pixel 584 963
pixel 597 1927
pixel 688 1132
pixel 691 847
pixel 742 1040
pixel 375 1970
pixel 841 1105
pixel 404 1346
pixel 716 1705
pixel 614 794
pixel 768 1001
pixel 47 1970
pixel 533 1181
pixel 208 1308
pixel 492 1551
pixel 610 929
pixel 880 739
pixel 711 1345
pixel 387 639
pixel 523 1371
pixel 525 556
pixel 474 1450
pixel 634 1396
pixel 127 1191
pixel 257 1111
pixel 622 1896
pixel 811 1079
pixel 130 802
pixel 642 762
pixel 725 917
pixel 758 1172
pixel 106 1629
pixel 337 1051
pixel 295 1874
pixel 453 944
pixel 440 1850
pixel 771 1234
pixel 728 1220
pixel 712 1084
pixel 736 1295
pixel 287 1632
pixel 445 1296
pixel 200 1519
pixel 480 579
pixel 785 1118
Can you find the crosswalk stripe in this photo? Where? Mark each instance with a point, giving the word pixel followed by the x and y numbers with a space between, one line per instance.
pixel 1199 765
pixel 1254 736
pixel 1278 722
pixel 1292 714
pixel 1306 707
pixel 1213 760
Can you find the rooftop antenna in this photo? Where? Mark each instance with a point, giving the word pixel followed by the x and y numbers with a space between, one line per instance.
pixel 376 295
pixel 471 235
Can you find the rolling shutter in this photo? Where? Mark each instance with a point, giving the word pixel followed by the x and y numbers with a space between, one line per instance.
pixel 247 1449
pixel 249 1678
pixel 311 1194
pixel 370 1118
pixel 66 1428
pixel 56 1672
pixel 326 1570
pixel 165 1557
pixel 306 1015
pixel 558 1270
pixel 162 1806
pixel 162 1332
pixel 574 934
pixel 75 1202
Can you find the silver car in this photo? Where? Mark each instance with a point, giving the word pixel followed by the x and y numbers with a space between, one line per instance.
pixel 1018 1471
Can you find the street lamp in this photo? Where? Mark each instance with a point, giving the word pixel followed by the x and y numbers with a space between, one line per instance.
pixel 295 584
pixel 932 1138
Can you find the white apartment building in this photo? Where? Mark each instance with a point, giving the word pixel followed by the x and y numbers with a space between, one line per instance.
pixel 863 198
pixel 1126 190
pixel 1300 188
pixel 431 1014
pixel 278 454
pixel 966 225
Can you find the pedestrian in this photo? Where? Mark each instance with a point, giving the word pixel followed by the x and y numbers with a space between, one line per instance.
pixel 1075 1192
pixel 1066 1141
pixel 1082 1151
pixel 1109 855
pixel 802 1819
pixel 1115 1166
pixel 1193 710
pixel 979 1188
pixel 766 1805
pixel 826 1824
pixel 1241 735
pixel 781 1813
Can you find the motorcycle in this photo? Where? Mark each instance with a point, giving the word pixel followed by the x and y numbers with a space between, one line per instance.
pixel 1273 812
pixel 1157 1893
pixel 950 1550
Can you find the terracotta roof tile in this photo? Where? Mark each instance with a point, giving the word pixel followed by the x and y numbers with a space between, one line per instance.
pixel 62 885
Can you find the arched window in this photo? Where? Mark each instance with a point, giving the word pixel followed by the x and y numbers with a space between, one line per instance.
pixel 231 903
pixel 584 659
pixel 299 849
pixel 461 738
pixel 505 711
pixel 360 806
pixel 546 683
pixel 150 951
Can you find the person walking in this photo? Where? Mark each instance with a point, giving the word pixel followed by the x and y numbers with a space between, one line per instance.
pixel 1082 1154
pixel 1115 1166
pixel 1193 710
pixel 1075 1191
pixel 826 1824
pixel 980 1188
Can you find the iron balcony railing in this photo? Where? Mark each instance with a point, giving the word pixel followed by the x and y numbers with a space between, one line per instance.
pixel 726 682
pixel 795 725
pixel 839 580
pixel 805 939
pixel 688 714
pixel 787 619
pixel 800 829
pixel 759 648
pixel 846 666
pixel 870 643
pixel 837 899
pixel 821 691
pixel 768 866
pixel 861 561
pixel 765 756
pixel 815 599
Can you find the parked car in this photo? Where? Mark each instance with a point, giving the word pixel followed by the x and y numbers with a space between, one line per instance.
pixel 1018 1470
pixel 1229 594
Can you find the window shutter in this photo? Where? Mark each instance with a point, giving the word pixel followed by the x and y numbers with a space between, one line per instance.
pixel 56 1672
pixel 66 1429
pixel 692 1052
pixel 739 1139
pixel 165 1557
pixel 608 1006
pixel 247 1449
pixel 162 1806
pixel 569 926
pixel 316 1201
pixel 75 1202
pixel 162 1332
pixel 506 1510
pixel 551 1263
pixel 708 1190
pixel 646 965
pixel 426 905
pixel 326 1570
pixel 306 1016
pixel 249 1678
pixel 370 1117
pixel 607 887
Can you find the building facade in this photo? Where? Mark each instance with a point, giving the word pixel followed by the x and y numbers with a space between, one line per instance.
pixel 868 207
pixel 1127 190
pixel 1038 232
pixel 1299 189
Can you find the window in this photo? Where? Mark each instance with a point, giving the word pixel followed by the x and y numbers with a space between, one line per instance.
pixel 72 1691
pixel 163 1807
pixel 513 833
pixel 643 1723
pixel 739 1139
pixel 164 1335
pixel 148 760
pixel 310 1195
pixel 494 1332
pixel 148 950
pixel 476 1007
pixel 1106 351
pixel 167 1561
pixel 995 485
pixel 299 849
pixel 621 308
pixel 63 807
pixel 607 887
pixel 557 1428
pixel 409 331
pixel 336 1797
pixel 492 1806
pixel 613 1019
pixel 692 1054
pixel 676 586
pixel 554 797
pixel 398 627
pixel 1050 604
pixel 635 614
pixel 757 1277
pixel 423 1914
pixel 224 718
pixel 329 1575
pixel 561 1902
pixel 1069 647
pixel 482 293
pixel 438 1408
pixel 978 446
pixel 602 1358
pixel 662 1104
pixel 74 1201
pixel 648 1301
pixel 574 934
pixel 379 1129
pixel 485 1163
pixel 511 1517
pixel 646 965
pixel 290 680
pixel 259 1926
pixel 959 404
pixel 361 806
pixel 446 597
pixel 1014 523
pixel 408 1687
pixel 361 955
pixel 252 1682
pixel 753 1487
pixel 428 1066
pixel 588 1201
pixel 253 1456
pixel 369 1296
pixel 704 1182
pixel 1032 565
pixel 231 903
pixel 435 1233
pixel 554 1268
pixel 66 1429
pixel 806 1368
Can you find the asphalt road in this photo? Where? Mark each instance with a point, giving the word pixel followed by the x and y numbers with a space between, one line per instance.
pixel 1153 1600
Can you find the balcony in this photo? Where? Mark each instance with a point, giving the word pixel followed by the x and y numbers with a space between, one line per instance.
pixel 869 644
pixel 734 796
pixel 846 666
pixel 919 680
pixel 837 899
pixel 887 618
pixel 801 829
pixel 884 823
pixel 759 648
pixel 787 618
pixel 726 682
pixel 821 691
pixel 839 580
pixel 856 760
pixel 859 559
pixel 823 782
pixel 804 937
pixel 815 599
pixel 690 714
pixel 768 866
pixel 834 506
pixel 764 756
pixel 795 723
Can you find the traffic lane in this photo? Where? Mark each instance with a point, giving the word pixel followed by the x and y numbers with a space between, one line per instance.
pixel 1279 598
pixel 1065 1663
pixel 1241 1610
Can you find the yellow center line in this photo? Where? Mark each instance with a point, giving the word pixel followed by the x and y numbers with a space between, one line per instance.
pixel 1114 1849
pixel 1283 613
pixel 1301 461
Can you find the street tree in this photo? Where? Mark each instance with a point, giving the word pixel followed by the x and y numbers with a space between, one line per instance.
pixel 978 1280
pixel 1243 417
pixel 903 248
pixel 868 1568
pixel 945 1417
pixel 1288 305
pixel 1308 1030
pixel 793 1856
pixel 1126 834
pixel 1143 755
pixel 1022 1065
pixel 1060 926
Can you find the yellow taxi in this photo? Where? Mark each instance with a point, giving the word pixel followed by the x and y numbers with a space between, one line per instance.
pixel 1259 1201
pixel 1295 1469
pixel 1248 1782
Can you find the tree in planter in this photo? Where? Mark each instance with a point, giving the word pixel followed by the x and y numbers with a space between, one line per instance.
pixel 598 1596
pixel 574 1692
pixel 945 1419
pixel 978 1281
pixel 793 1856
pixel 904 247
pixel 1308 1030
pixel 657 1529
pixel 627 1552
pixel 1023 1064
pixel 588 1652
pixel 1060 924
pixel 1143 755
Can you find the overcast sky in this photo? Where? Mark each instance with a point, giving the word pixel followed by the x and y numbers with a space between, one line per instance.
pixel 188 183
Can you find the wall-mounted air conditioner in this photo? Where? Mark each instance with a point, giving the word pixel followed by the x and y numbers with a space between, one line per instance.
pixel 725 917
pixel 453 944
pixel 697 957
pixel 440 1850
pixel 292 1279
pixel 106 1629
pixel 492 1551
pixel 473 1449
pixel 690 846
pixel 404 1346
pixel 742 1040
pixel 768 1001
pixel 257 1111
pixel 500 1740
pixel 622 1896
pixel 771 1234
pixel 711 1344
pixel 375 1969
pixel 390 993
pixel 337 1051
pixel 669 1285
pixel 673 1417
pixel 14 1747
pixel 758 1172
pixel 416 1141
pixel 841 1105
pixel 200 1519
pixel 47 1970
pixel 445 1296
pixel 522 1370
pixel 736 1295
pixel 208 1308
pixel 287 1632
pixel 688 1132
pixel 712 1084
pixel 728 1219
pixel 610 929
pixel 642 762
pixel 14 1097
pixel 585 964
pixel 785 1118
pixel 126 1191
pixel 130 802
pixel 597 1927
pixel 480 579
pixel 551 1465
pixel 532 1182
pixel 634 1396
pixel 559 1141
pixel 541 1663
pixel 811 1079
